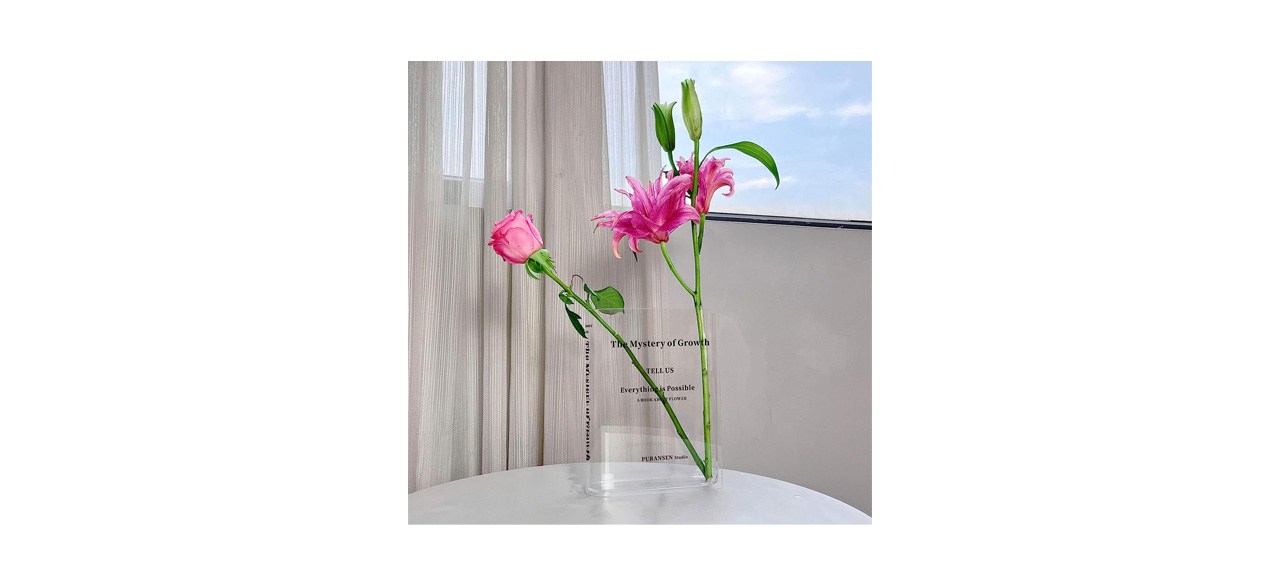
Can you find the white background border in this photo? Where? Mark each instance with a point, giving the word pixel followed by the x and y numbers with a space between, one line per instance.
pixel 203 256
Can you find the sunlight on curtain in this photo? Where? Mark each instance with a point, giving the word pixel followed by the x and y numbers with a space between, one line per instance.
pixel 494 371
pixel 630 87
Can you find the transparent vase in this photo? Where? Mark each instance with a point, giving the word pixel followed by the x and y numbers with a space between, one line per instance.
pixel 656 433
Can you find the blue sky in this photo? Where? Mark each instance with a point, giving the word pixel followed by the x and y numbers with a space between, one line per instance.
pixel 814 117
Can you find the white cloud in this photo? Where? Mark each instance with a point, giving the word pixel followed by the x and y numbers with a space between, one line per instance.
pixel 854 110
pixel 676 70
pixel 761 86
pixel 774 112
pixel 761 183
pixel 766 97
pixel 760 78
pixel 789 208
pixel 756 93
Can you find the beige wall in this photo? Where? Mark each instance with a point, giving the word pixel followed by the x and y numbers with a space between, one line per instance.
pixel 794 312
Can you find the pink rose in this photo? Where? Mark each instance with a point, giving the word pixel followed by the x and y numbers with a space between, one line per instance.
pixel 515 238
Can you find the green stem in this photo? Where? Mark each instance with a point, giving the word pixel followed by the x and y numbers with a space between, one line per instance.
pixel 702 347
pixel 697 235
pixel 702 332
pixel 702 224
pixel 636 362
pixel 672 266
pixel 693 192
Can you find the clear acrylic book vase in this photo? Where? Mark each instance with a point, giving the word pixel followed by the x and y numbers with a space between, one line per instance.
pixel 653 434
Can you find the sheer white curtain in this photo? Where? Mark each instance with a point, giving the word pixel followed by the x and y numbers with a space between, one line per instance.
pixel 495 371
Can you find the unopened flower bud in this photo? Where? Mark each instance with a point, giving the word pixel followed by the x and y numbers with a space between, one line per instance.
pixel 665 125
pixel 692 111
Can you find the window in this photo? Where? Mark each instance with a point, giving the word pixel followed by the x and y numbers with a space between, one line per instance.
pixel 464 102
pixel 814 117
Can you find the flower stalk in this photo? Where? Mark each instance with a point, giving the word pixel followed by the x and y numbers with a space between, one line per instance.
pixel 684 197
pixel 697 308
pixel 672 266
pixel 662 396
pixel 697 233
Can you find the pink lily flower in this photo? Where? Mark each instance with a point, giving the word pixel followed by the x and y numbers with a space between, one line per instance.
pixel 655 212
pixel 712 176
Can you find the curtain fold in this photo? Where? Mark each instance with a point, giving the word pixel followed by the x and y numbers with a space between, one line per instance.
pixel 495 370
pixel 524 438
pixel 495 282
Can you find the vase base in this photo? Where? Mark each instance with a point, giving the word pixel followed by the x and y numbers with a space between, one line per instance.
pixel 618 478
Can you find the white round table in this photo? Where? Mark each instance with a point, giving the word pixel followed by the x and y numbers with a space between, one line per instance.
pixel 554 494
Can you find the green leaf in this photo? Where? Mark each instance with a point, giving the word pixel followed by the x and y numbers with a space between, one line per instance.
pixel 576 319
pixel 608 301
pixel 755 151
pixel 528 268
pixel 564 296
